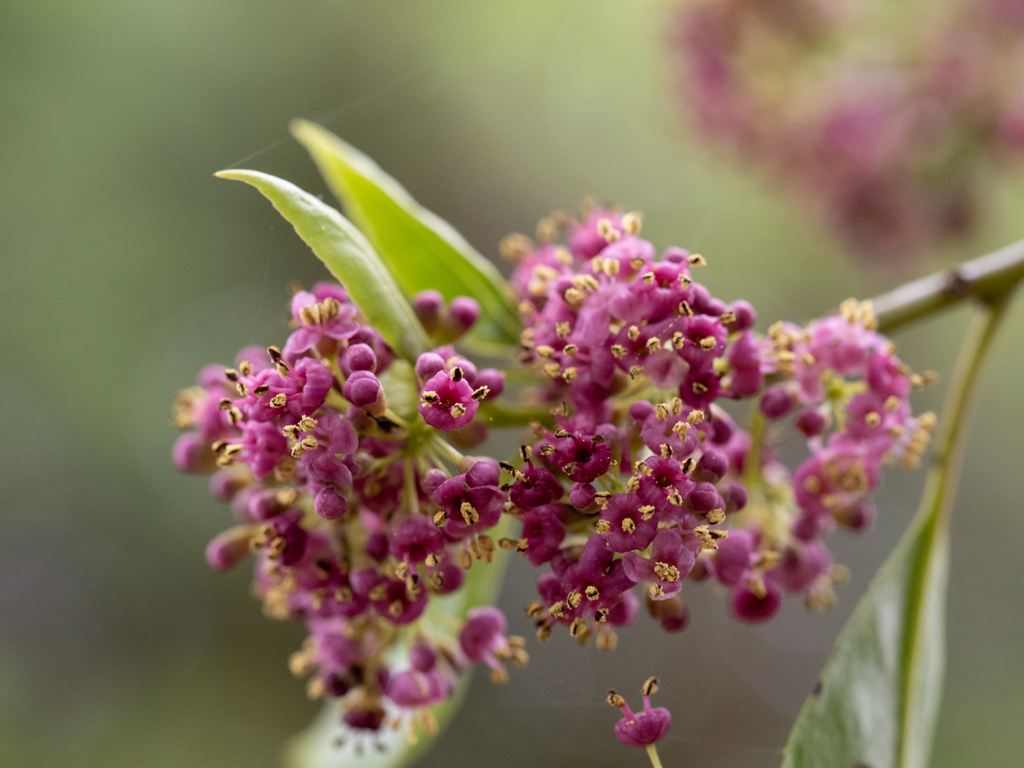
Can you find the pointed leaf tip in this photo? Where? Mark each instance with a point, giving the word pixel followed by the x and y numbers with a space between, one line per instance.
pixel 420 248
pixel 348 256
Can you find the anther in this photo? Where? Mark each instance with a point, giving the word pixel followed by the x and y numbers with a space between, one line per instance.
pixel 578 626
pixel 628 525
pixel 708 343
pixel 688 465
pixel 607 231
pixel 469 513
pixel 574 296
pixel 534 609
pixel 631 223
pixel 574 599
pixel 615 700
pixel 592 592
pixel 231 374
pixel 650 686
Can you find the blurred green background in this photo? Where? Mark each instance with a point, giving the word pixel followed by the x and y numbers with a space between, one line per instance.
pixel 125 266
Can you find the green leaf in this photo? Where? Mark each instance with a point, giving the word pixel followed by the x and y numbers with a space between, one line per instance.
pixel 317 747
pixel 878 699
pixel 421 249
pixel 349 257
pixel 879 695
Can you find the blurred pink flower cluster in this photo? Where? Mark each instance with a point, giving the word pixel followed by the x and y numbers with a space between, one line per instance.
pixel 888 141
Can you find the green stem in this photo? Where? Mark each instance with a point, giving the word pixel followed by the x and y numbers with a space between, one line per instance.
pixel 652 752
pixel 499 414
pixel 932 541
pixel 446 450
pixel 986 279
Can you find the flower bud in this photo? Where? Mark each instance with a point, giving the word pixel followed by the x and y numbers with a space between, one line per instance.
pixel 582 495
pixel 857 518
pixel 777 401
pixel 329 505
pixel 432 480
pixel 364 390
pixel 224 485
pixel 745 315
pixel 752 606
pixel 422 657
pixel 672 614
pixel 705 498
pixel 190 454
pixel 640 410
pixel 811 422
pixel 428 364
pixel 377 546
pixel 712 466
pixel 358 357
pixel 429 308
pixel 463 313
pixel 736 497
pixel 491 378
pixel 229 548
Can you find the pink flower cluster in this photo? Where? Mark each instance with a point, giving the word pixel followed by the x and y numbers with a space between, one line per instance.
pixel 888 145
pixel 353 530
pixel 342 467
pixel 848 393
pixel 638 358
